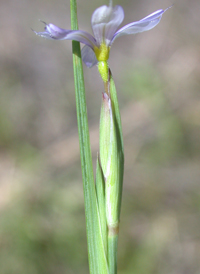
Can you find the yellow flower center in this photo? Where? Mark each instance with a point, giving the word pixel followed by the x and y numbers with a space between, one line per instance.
pixel 102 53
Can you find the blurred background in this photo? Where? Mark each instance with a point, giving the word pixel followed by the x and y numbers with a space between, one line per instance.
pixel 157 75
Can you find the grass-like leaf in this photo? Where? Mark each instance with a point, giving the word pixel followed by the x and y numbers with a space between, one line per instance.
pixel 96 252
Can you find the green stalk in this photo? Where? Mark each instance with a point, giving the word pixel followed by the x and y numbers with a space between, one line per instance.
pixel 112 253
pixel 113 228
pixel 111 157
pixel 96 252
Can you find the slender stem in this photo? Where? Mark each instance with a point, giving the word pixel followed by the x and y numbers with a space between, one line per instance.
pixel 112 253
pixel 96 253
pixel 113 229
pixel 86 158
pixel 83 130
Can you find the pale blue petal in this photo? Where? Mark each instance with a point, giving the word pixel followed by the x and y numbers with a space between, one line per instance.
pixel 83 37
pixel 88 56
pixel 105 21
pixel 144 24
pixel 54 32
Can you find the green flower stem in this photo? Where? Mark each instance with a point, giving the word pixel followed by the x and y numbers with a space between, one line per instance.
pixel 111 157
pixel 96 252
pixel 114 229
pixel 112 252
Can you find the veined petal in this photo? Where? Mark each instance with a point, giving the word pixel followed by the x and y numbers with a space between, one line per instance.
pixel 83 37
pixel 105 21
pixel 88 56
pixel 144 24
pixel 54 32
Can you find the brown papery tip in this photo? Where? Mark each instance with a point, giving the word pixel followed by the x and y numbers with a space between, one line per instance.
pixel 113 230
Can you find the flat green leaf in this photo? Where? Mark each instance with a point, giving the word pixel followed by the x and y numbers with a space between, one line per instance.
pixel 96 252
pixel 118 127
pixel 100 190
pixel 112 165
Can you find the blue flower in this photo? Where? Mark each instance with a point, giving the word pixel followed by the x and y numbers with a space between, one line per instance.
pixel 105 22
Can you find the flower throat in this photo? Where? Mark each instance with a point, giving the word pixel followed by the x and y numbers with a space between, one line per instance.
pixel 102 55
